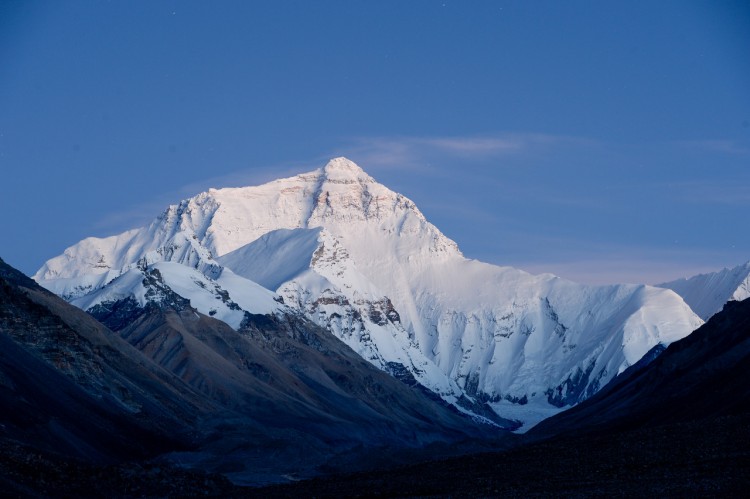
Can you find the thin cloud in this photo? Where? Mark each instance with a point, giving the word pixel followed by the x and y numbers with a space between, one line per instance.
pixel 143 213
pixel 475 146
pixel 130 218
pixel 380 152
pixel 421 153
pixel 723 146
pixel 255 175
pixel 705 192
pixel 482 157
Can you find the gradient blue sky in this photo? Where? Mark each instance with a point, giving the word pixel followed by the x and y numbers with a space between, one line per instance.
pixel 603 141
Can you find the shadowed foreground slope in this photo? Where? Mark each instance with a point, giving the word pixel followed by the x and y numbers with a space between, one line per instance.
pixel 69 385
pixel 279 399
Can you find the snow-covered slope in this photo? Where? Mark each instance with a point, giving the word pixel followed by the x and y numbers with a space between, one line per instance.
pixel 364 262
pixel 707 293
pixel 226 298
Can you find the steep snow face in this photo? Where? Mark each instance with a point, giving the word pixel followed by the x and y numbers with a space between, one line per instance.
pixel 507 334
pixel 275 257
pixel 364 262
pixel 707 293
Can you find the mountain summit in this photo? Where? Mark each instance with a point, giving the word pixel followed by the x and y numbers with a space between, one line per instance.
pixel 343 170
pixel 363 262
pixel 218 221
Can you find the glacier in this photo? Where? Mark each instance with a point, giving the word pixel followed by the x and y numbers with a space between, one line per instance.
pixel 363 262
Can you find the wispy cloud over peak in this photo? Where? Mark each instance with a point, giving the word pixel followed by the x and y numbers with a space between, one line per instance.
pixel 416 152
pixel 472 146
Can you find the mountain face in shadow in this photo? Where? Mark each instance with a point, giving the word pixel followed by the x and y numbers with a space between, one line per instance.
pixel 280 396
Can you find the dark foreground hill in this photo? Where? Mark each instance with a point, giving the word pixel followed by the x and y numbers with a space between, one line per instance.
pixel 695 459
pixel 680 426
pixel 86 408
pixel 71 386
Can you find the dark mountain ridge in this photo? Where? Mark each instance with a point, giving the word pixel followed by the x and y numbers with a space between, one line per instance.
pixel 279 398
pixel 68 384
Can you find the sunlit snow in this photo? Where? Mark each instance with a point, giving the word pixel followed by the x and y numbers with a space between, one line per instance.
pixel 362 261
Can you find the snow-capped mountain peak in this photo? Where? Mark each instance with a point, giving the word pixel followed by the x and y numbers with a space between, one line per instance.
pixel 339 196
pixel 362 261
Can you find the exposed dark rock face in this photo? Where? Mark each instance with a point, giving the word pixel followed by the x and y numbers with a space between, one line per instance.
pixel 116 315
pixel 291 398
pixel 576 387
pixel 283 397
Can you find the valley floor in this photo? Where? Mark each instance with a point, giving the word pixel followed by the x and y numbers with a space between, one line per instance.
pixel 703 458
pixel 27 472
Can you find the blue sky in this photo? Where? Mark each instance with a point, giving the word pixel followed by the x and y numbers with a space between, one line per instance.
pixel 603 141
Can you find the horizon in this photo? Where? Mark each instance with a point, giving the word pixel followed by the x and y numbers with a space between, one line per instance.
pixel 599 142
